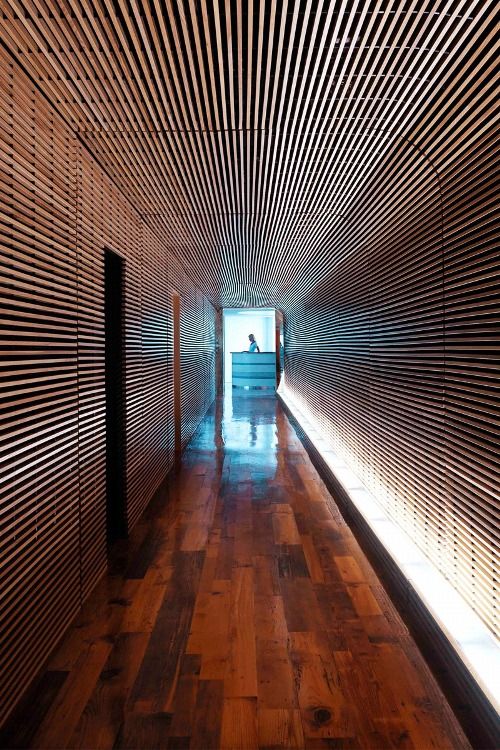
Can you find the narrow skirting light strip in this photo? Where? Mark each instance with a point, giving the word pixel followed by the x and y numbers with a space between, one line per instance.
pixel 473 642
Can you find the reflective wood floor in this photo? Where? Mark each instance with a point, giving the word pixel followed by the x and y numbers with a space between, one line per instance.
pixel 241 614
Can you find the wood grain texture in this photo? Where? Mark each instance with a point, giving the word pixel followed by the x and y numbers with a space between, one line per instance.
pixel 253 659
pixel 248 129
pixel 59 212
pixel 394 354
pixel 334 159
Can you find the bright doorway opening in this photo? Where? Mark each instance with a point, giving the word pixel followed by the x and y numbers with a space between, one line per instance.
pixel 238 324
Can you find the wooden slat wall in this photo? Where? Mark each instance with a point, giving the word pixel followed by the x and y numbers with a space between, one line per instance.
pixel 246 129
pixel 328 158
pixel 39 478
pixel 472 367
pixel 198 364
pixel 58 213
pixel 396 352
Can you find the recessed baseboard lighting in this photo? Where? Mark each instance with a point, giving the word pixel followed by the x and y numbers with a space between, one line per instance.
pixel 473 642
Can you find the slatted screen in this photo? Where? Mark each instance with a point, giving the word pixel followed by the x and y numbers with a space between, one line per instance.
pixel 329 158
pixel 247 128
pixel 59 211
pixel 198 364
pixel 396 352
pixel 39 477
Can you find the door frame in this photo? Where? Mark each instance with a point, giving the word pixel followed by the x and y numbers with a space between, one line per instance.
pixel 115 391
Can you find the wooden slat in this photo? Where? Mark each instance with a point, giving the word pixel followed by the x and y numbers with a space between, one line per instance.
pixel 59 211
pixel 332 159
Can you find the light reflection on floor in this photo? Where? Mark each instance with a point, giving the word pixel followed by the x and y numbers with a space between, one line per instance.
pixel 249 422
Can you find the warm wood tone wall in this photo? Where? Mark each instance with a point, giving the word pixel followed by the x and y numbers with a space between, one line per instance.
pixel 58 213
pixel 329 158
pixel 396 353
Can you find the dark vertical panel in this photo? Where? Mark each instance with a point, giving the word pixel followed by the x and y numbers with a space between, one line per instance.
pixel 116 508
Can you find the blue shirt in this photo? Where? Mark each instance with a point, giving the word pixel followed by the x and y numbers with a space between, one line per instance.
pixel 253 346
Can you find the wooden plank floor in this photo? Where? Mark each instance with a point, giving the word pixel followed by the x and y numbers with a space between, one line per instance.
pixel 241 614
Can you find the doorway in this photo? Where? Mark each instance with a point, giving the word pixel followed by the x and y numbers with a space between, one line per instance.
pixel 116 510
pixel 238 324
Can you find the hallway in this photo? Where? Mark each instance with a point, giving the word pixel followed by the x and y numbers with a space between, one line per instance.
pixel 240 614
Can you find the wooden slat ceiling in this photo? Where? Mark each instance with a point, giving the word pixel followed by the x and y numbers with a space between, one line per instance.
pixel 247 128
